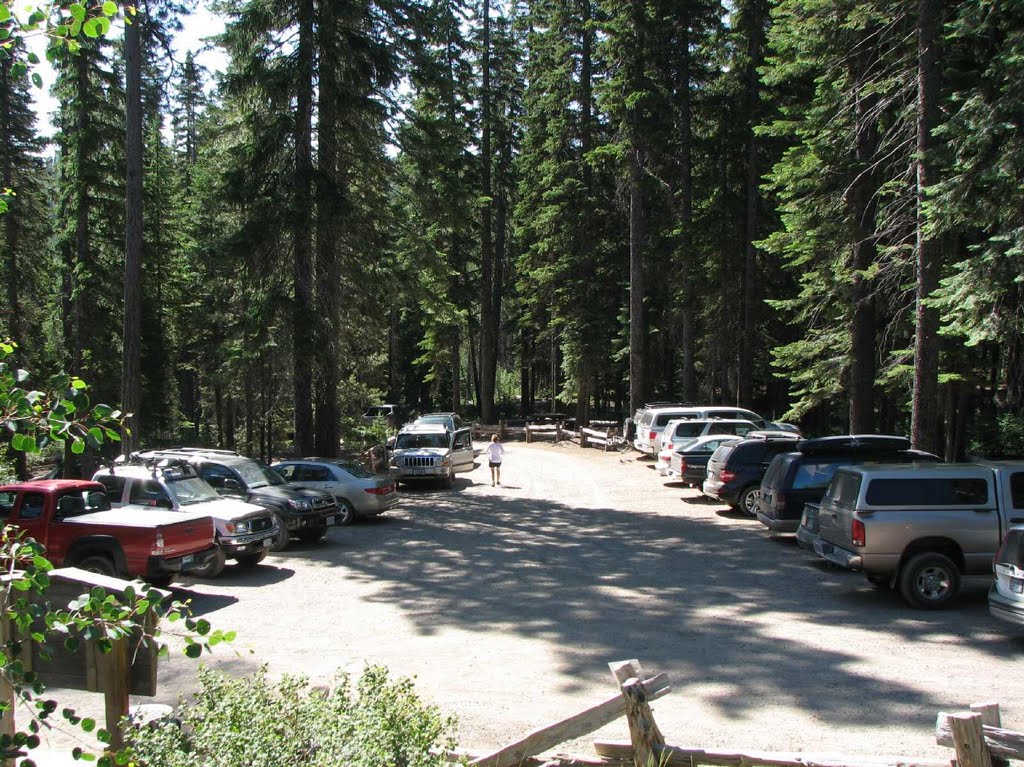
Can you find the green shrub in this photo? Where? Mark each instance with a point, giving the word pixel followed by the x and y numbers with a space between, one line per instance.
pixel 1003 438
pixel 253 722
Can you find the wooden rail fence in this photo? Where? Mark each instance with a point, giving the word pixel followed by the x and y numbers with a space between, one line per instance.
pixel 976 736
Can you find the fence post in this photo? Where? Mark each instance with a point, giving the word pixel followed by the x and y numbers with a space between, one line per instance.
pixel 644 734
pixel 501 429
pixel 969 741
pixel 558 432
pixel 583 438
pixel 607 439
pixel 115 684
pixel 527 433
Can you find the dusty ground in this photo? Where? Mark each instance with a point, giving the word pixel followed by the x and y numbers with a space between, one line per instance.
pixel 506 603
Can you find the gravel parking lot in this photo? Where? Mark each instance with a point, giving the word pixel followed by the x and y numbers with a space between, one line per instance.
pixel 506 603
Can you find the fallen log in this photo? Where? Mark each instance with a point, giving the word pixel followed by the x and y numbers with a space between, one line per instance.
pixel 675 756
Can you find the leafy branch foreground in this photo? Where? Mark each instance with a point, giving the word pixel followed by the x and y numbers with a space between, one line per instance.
pixel 254 722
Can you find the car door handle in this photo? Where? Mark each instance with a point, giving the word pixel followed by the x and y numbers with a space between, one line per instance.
pixel 981 511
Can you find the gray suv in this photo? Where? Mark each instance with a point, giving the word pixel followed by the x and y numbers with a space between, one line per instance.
pixel 431 451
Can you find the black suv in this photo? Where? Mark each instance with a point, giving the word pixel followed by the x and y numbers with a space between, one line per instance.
pixel 794 479
pixel 298 511
pixel 735 470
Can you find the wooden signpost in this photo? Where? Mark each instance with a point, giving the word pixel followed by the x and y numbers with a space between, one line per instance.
pixel 128 669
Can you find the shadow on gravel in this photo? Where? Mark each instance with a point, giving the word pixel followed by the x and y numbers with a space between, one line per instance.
pixel 702 600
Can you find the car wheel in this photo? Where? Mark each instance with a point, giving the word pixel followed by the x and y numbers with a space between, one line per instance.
pixel 215 566
pixel 283 537
pixel 99 564
pixel 929 580
pixel 251 560
pixel 346 514
pixel 449 478
pixel 747 502
pixel 311 534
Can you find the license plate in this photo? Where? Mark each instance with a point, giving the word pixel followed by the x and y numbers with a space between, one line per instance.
pixel 268 542
pixel 331 521
pixel 1017 586
pixel 417 472
pixel 187 559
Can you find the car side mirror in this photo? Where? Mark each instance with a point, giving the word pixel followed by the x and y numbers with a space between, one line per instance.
pixel 163 503
pixel 231 484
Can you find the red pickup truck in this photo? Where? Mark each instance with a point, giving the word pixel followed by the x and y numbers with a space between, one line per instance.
pixel 74 521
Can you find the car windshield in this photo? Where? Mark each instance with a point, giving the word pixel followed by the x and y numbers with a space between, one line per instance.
pixel 354 469
pixel 257 475
pixel 690 429
pixel 685 443
pixel 189 490
pixel 407 441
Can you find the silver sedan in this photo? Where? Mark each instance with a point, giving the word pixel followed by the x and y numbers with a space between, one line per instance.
pixel 360 493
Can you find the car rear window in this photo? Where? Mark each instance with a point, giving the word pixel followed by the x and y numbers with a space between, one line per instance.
pixel 927 491
pixel 114 486
pixel 664 418
pixel 777 470
pixel 690 429
pixel 815 474
pixel 843 489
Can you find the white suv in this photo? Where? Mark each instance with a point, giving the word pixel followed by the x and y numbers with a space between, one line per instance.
pixel 244 531
pixel 431 451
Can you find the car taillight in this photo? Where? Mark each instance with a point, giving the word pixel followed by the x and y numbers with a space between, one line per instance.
pixel 670 446
pixel 857 533
pixel 682 465
pixel 653 436
pixel 158 545
pixel 779 502
pixel 727 476
pixel 380 490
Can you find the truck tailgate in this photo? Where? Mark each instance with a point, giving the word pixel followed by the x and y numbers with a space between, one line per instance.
pixel 182 533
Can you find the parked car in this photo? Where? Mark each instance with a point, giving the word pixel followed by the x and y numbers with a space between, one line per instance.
pixel 794 479
pixel 651 422
pixel 920 527
pixel 688 462
pixel 1006 597
pixel 299 512
pixel 450 421
pixel 388 412
pixel 431 451
pixel 244 531
pixel 359 493
pixel 72 519
pixel 680 429
pixel 735 470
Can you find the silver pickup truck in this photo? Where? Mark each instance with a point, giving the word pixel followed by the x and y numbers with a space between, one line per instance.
pixel 920 527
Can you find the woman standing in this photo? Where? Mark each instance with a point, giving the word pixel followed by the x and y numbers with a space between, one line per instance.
pixel 495 452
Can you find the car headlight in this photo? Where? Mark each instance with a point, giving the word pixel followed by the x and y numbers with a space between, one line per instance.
pixel 238 527
pixel 445 460
pixel 302 504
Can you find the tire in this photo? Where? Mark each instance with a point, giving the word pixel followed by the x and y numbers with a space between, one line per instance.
pixel 251 560
pixel 449 478
pixel 346 514
pixel 283 537
pixel 215 566
pixel 929 580
pixel 879 581
pixel 99 564
pixel 747 501
pixel 311 534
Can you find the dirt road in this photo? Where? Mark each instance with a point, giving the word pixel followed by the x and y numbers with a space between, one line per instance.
pixel 507 603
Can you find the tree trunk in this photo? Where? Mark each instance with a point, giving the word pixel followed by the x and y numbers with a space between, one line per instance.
pixel 925 416
pixel 755 53
pixel 331 189
pixel 687 267
pixel 131 372
pixel 488 328
pixel 637 357
pixel 303 320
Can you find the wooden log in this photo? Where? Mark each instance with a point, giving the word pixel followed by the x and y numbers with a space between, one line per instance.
pixel 676 756
pixel 462 756
pixel 969 741
pixel 549 736
pixel 1000 742
pixel 990 715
